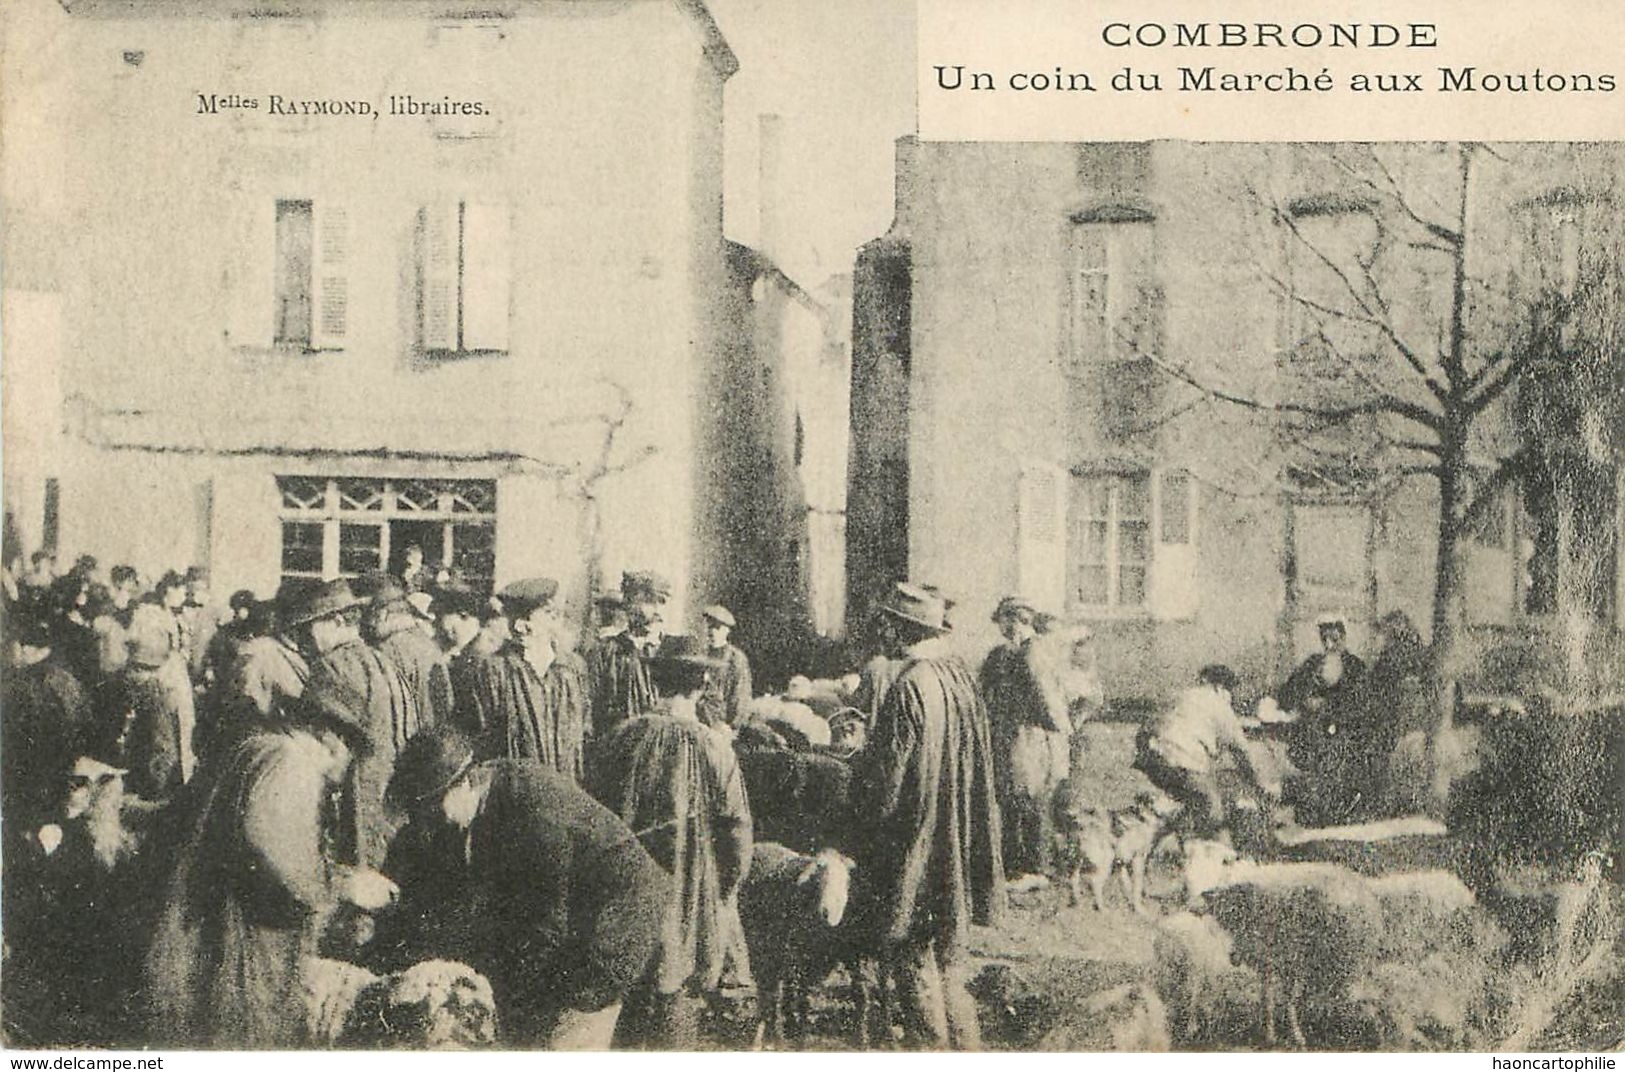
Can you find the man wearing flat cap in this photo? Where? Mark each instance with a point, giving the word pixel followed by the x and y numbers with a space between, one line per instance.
pixel 618 674
pixel 728 691
pixel 513 869
pixel 353 684
pixel 393 629
pixel 529 700
pixel 927 824
pixel 1031 735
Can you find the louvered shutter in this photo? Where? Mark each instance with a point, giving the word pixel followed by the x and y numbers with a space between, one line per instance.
pixel 1175 593
pixel 439 223
pixel 330 297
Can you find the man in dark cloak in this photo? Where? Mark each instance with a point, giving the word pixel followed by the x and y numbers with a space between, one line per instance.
pixel 927 824
pixel 44 713
pixel 1031 733
pixel 529 701
pixel 514 870
pixel 678 785
pixel 394 631
pixel 354 684
pixel 617 671
pixel 250 887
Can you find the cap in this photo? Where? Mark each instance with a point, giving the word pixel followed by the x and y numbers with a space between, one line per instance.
pixel 716 612
pixel 520 598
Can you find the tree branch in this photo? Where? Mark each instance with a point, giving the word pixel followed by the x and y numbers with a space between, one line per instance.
pixel 1333 414
pixel 1387 329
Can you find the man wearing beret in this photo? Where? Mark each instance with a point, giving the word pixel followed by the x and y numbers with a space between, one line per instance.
pixel 728 691
pixel 353 684
pixel 618 672
pixel 513 869
pixel 529 701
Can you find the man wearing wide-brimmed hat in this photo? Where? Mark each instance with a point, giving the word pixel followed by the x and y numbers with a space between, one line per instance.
pixel 392 625
pixel 251 878
pixel 617 674
pixel 924 788
pixel 1031 734
pixel 678 783
pixel 513 869
pixel 267 676
pixel 353 683
pixel 529 700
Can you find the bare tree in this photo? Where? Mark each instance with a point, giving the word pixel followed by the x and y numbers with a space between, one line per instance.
pixel 1410 344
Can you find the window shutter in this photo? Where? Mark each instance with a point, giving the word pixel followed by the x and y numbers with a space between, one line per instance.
pixel 330 296
pixel 1041 534
pixel 250 276
pixel 486 273
pixel 1175 593
pixel 439 273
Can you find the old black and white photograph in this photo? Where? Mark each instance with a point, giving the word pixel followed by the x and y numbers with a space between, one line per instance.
pixel 574 525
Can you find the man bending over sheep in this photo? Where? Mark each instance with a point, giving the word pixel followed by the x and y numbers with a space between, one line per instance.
pixel 1178 751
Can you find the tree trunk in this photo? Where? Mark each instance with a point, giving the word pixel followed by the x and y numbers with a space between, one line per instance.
pixel 1448 623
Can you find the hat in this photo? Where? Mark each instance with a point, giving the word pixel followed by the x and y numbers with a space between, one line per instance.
pixel 716 612
pixel 1331 621
pixel 519 598
pixel 610 598
pixel 372 584
pixel 242 599
pixel 679 649
pixel 1010 605
pixel 195 574
pixel 327 599
pixel 171 579
pixel 645 586
pixel 421 602
pixel 914 604
pixel 429 764
pixel 458 599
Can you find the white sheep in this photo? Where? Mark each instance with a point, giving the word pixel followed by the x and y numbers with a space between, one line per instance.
pixel 791 906
pixel 1195 975
pixel 434 1004
pixel 1312 929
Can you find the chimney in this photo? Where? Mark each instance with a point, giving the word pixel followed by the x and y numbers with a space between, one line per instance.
pixel 770 155
pixel 907 155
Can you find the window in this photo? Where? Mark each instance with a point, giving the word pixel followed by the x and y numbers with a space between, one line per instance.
pixel 290 276
pixel 347 526
pixel 1130 543
pixel 1112 541
pixel 1114 301
pixel 465 291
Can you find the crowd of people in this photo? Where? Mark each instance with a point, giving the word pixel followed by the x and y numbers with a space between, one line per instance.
pixel 200 802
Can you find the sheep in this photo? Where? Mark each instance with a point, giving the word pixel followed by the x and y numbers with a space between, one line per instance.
pixel 1311 929
pixel 795 721
pixel 1197 979
pixel 435 1004
pixel 799 799
pixel 791 906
